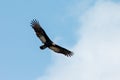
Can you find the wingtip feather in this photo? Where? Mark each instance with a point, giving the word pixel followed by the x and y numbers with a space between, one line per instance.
pixel 70 54
pixel 34 22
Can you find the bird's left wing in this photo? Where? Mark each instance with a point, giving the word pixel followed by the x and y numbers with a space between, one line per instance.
pixel 61 50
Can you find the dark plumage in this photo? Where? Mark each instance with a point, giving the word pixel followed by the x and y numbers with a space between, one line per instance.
pixel 46 40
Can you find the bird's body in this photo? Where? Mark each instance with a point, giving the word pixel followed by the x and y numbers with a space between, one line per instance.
pixel 47 42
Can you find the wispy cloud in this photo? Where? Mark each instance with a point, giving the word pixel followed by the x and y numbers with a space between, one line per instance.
pixel 97 53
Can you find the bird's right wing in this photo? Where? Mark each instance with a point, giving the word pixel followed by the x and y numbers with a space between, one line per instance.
pixel 39 31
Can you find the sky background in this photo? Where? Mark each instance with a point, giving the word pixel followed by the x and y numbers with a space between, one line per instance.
pixel 90 28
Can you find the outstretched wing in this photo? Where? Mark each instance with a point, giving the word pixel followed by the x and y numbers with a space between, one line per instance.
pixel 61 50
pixel 39 31
pixel 44 38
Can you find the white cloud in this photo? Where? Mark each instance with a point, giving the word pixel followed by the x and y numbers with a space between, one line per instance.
pixel 97 53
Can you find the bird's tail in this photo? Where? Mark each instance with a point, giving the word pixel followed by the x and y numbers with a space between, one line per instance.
pixel 43 47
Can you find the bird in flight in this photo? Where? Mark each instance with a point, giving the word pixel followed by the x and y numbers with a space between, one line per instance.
pixel 47 43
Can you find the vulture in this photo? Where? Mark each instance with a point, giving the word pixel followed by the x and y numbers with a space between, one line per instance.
pixel 47 42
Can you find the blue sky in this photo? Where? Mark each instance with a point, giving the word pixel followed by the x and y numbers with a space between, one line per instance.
pixel 20 56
